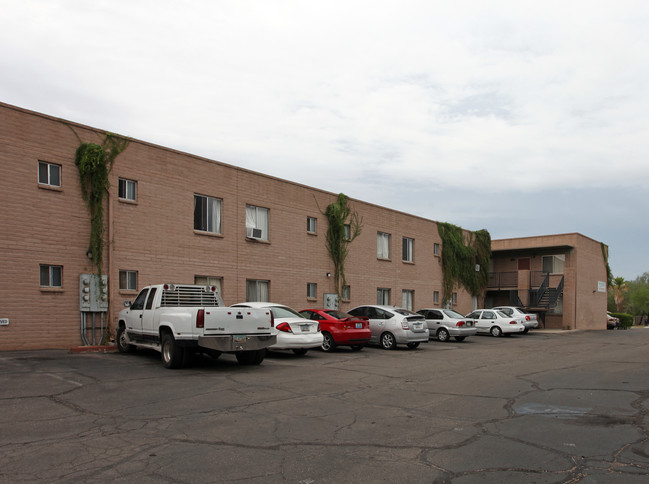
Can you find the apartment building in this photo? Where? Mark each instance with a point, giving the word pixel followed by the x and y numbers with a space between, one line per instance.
pixel 175 217
pixel 560 277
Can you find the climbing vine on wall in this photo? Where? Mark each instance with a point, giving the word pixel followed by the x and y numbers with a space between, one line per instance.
pixel 339 214
pixel 461 255
pixel 94 163
pixel 609 274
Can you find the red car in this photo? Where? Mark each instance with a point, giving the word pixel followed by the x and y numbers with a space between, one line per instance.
pixel 340 329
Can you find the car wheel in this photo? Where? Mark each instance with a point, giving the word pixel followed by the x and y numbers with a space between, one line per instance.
pixel 172 353
pixel 412 345
pixel 251 357
pixel 388 342
pixel 357 347
pixel 300 351
pixel 328 343
pixel 442 335
pixel 122 341
pixel 496 331
pixel 460 338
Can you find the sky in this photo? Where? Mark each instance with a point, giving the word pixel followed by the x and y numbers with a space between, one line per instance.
pixel 523 118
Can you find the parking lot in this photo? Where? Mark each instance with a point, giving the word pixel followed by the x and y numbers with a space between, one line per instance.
pixel 544 407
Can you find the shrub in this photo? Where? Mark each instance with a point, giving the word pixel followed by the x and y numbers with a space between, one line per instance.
pixel 626 320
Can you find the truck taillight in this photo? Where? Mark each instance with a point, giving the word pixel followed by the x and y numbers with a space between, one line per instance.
pixel 200 318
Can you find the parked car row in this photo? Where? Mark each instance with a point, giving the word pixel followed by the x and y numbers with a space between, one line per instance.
pixel 386 326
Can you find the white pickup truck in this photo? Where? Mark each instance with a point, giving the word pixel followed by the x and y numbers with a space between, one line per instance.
pixel 177 319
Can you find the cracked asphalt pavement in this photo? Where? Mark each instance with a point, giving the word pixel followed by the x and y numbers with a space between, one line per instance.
pixel 539 408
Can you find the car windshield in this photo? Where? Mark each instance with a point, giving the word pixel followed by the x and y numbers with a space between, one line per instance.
pixel 285 312
pixel 338 314
pixel 452 314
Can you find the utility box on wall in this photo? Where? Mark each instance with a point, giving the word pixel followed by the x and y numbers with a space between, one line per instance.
pixel 331 301
pixel 93 293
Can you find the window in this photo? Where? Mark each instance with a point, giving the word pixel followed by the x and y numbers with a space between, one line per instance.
pixel 257 222
pixel 383 296
pixel 311 290
pixel 207 214
pixel 346 293
pixel 435 297
pixel 435 249
pixel 128 280
pixel 407 249
pixel 49 174
pixel 553 264
pixel 454 298
pixel 149 301
pixel 210 281
pixel 51 276
pixel 407 299
pixel 257 290
pixel 138 304
pixel 127 189
pixel 311 225
pixel 383 245
pixel 348 232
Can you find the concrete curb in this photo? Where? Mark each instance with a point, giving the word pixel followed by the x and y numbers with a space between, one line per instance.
pixel 94 349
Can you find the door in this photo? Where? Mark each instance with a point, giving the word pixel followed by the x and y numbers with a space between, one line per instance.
pixel 148 313
pixel 134 316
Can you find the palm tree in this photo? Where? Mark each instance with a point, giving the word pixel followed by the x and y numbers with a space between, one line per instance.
pixel 619 291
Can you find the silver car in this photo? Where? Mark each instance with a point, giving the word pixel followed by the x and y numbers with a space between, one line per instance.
pixel 529 320
pixel 391 325
pixel 444 323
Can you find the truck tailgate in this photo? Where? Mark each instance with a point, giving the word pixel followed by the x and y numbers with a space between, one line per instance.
pixel 236 321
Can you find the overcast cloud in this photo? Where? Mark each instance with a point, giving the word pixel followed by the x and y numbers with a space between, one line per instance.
pixel 524 118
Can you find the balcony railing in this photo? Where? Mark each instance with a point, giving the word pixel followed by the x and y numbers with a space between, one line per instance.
pixel 503 280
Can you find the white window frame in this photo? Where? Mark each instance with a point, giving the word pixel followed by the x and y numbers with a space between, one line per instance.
pixel 128 280
pixel 383 296
pixel 216 281
pixel 436 248
pixel 311 225
pixel 311 290
pixel 257 290
pixel 257 222
pixel 557 262
pixel 50 275
pixel 408 299
pixel 382 245
pixel 348 232
pixel 210 214
pixel 46 177
pixel 408 249
pixel 127 189
pixel 435 297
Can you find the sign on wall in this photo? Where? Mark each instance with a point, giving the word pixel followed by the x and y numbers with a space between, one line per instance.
pixel 601 286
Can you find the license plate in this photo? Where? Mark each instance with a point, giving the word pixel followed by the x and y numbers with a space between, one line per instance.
pixel 305 328
pixel 239 338
pixel 418 325
pixel 359 325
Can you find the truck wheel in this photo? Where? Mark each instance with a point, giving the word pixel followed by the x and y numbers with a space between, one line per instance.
pixel 122 341
pixel 251 357
pixel 172 353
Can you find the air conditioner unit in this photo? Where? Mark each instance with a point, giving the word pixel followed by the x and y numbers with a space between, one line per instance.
pixel 253 233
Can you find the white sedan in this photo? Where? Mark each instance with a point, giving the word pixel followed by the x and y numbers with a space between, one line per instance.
pixel 293 331
pixel 529 320
pixel 496 323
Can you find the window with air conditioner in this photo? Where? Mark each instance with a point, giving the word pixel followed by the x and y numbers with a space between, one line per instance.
pixel 257 222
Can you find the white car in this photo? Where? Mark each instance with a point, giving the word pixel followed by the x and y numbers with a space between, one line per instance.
pixel 391 325
pixel 293 331
pixel 529 320
pixel 444 323
pixel 496 323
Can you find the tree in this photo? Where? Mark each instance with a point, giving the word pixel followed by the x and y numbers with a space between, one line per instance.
pixel 638 295
pixel 619 292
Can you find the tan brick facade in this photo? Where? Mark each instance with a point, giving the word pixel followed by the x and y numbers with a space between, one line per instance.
pixel 155 235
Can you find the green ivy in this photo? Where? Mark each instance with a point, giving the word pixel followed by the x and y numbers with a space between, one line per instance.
pixel 460 255
pixel 609 274
pixel 94 163
pixel 338 215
